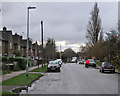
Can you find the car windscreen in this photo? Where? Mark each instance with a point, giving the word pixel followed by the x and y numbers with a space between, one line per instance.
pixel 107 64
pixel 91 60
pixel 53 62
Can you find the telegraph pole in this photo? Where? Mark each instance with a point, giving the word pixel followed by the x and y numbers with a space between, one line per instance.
pixel 42 40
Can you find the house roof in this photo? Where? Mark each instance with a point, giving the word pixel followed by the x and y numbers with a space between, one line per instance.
pixel 34 45
pixel 15 38
pixel 24 43
pixel 6 34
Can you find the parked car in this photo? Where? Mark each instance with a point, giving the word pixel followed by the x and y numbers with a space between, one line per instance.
pixel 59 62
pixel 107 66
pixel 81 61
pixel 74 60
pixel 92 63
pixel 53 66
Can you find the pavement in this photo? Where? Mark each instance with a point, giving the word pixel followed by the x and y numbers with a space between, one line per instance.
pixel 75 79
pixel 13 74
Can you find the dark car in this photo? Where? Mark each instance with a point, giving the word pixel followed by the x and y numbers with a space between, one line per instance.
pixel 107 66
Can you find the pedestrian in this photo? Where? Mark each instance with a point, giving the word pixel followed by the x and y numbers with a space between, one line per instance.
pixel 87 63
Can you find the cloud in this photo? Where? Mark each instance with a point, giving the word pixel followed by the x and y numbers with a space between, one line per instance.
pixel 65 22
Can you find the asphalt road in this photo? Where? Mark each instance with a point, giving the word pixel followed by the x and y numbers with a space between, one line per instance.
pixel 76 79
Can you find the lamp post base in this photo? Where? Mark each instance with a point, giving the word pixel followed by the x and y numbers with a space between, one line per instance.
pixel 27 75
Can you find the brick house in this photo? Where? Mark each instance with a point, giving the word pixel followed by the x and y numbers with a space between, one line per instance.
pixel 17 45
pixel 37 49
pixel 24 48
pixel 7 42
pixel 1 44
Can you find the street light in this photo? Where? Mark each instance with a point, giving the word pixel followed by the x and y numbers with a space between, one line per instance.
pixel 28 37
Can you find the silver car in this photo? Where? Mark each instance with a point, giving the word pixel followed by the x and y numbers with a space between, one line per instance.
pixel 53 66
pixel 92 63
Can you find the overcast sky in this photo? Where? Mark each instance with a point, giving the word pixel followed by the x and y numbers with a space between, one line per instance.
pixel 65 22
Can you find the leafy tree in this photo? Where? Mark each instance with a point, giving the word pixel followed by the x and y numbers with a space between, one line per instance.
pixel 69 53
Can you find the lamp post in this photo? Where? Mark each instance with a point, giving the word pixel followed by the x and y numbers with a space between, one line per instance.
pixel 28 37
pixel 60 53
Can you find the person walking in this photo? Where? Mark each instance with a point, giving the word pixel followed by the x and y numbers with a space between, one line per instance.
pixel 87 63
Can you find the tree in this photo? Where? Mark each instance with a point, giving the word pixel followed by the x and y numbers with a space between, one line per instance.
pixel 50 49
pixel 112 41
pixel 69 53
pixel 94 26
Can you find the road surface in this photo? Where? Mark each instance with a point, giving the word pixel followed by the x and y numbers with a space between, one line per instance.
pixel 76 79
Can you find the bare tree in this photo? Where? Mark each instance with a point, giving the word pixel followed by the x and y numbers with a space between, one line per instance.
pixel 50 49
pixel 94 25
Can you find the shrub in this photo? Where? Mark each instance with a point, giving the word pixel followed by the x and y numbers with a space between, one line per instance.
pixel 11 60
pixel 4 59
pixel 22 64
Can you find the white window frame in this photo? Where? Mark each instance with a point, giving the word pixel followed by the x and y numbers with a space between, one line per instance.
pixel 19 48
pixel 10 45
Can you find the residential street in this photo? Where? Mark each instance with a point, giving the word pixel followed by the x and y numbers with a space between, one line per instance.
pixel 75 79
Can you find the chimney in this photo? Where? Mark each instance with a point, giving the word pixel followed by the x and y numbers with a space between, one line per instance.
pixel 4 28
pixel 15 33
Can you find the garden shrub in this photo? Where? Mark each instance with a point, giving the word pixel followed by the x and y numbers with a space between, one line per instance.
pixel 22 64
pixel 4 59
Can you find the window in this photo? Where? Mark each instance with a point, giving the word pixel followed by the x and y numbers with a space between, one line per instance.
pixel 10 45
pixel 18 47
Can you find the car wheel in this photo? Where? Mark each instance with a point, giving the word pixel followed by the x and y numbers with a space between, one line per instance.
pixel 95 66
pixel 59 70
pixel 113 71
pixel 102 71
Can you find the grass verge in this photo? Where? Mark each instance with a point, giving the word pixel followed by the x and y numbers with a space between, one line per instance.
pixel 118 68
pixel 20 80
pixel 6 93
pixel 99 63
pixel 44 69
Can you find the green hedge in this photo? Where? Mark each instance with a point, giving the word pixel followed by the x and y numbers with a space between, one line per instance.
pixel 22 64
pixel 4 59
